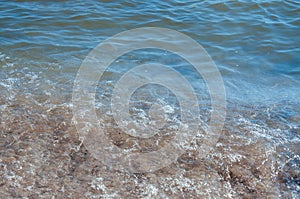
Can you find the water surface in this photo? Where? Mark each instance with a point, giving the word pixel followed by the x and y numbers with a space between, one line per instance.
pixel 255 45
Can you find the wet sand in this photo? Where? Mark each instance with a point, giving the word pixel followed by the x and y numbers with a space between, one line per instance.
pixel 42 156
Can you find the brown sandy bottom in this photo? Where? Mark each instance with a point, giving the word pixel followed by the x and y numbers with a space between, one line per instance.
pixel 42 157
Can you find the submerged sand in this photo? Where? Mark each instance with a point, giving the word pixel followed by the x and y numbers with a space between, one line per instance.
pixel 257 156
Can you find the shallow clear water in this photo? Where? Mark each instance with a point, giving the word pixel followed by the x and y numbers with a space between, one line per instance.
pixel 255 45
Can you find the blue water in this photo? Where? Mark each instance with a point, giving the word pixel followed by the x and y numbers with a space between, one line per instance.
pixel 255 44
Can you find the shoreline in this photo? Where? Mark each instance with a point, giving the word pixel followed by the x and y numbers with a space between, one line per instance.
pixel 46 157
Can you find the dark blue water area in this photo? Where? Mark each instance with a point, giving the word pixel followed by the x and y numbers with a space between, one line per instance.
pixel 255 44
